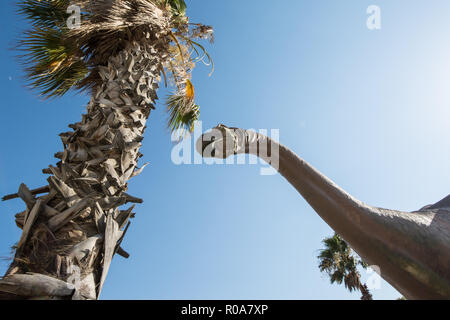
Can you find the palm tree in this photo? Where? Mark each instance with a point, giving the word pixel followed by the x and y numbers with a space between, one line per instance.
pixel 338 261
pixel 119 52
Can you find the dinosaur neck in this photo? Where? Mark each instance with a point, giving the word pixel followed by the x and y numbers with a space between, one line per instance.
pixel 338 208
pixel 385 238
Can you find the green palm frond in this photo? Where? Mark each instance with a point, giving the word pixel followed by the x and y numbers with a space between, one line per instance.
pixel 352 280
pixel 363 264
pixel 337 277
pixel 325 264
pixel 183 112
pixel 52 64
pixel 178 7
pixel 44 13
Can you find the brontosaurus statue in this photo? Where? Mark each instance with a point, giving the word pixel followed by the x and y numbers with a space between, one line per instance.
pixel 411 249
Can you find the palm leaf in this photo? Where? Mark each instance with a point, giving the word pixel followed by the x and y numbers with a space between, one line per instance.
pixel 178 7
pixel 44 13
pixel 183 111
pixel 51 64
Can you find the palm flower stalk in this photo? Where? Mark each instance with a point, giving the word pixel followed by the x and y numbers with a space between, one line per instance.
pixel 73 227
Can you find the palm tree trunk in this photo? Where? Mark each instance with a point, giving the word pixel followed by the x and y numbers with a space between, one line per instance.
pixel 71 233
pixel 366 295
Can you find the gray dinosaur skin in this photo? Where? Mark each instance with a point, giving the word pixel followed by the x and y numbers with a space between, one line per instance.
pixel 412 249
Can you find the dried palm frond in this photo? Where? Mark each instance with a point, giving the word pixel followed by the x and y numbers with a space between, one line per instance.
pixel 200 31
pixel 112 24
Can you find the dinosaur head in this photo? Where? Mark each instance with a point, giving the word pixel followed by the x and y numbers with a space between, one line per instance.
pixel 221 142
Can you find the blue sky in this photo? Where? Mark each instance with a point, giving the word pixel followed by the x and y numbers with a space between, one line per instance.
pixel 370 109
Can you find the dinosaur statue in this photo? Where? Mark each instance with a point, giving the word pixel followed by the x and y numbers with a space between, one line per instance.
pixel 412 249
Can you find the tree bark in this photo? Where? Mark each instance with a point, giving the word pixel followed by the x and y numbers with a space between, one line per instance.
pixel 71 233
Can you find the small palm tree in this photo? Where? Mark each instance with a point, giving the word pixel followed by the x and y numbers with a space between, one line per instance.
pixel 118 53
pixel 338 261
